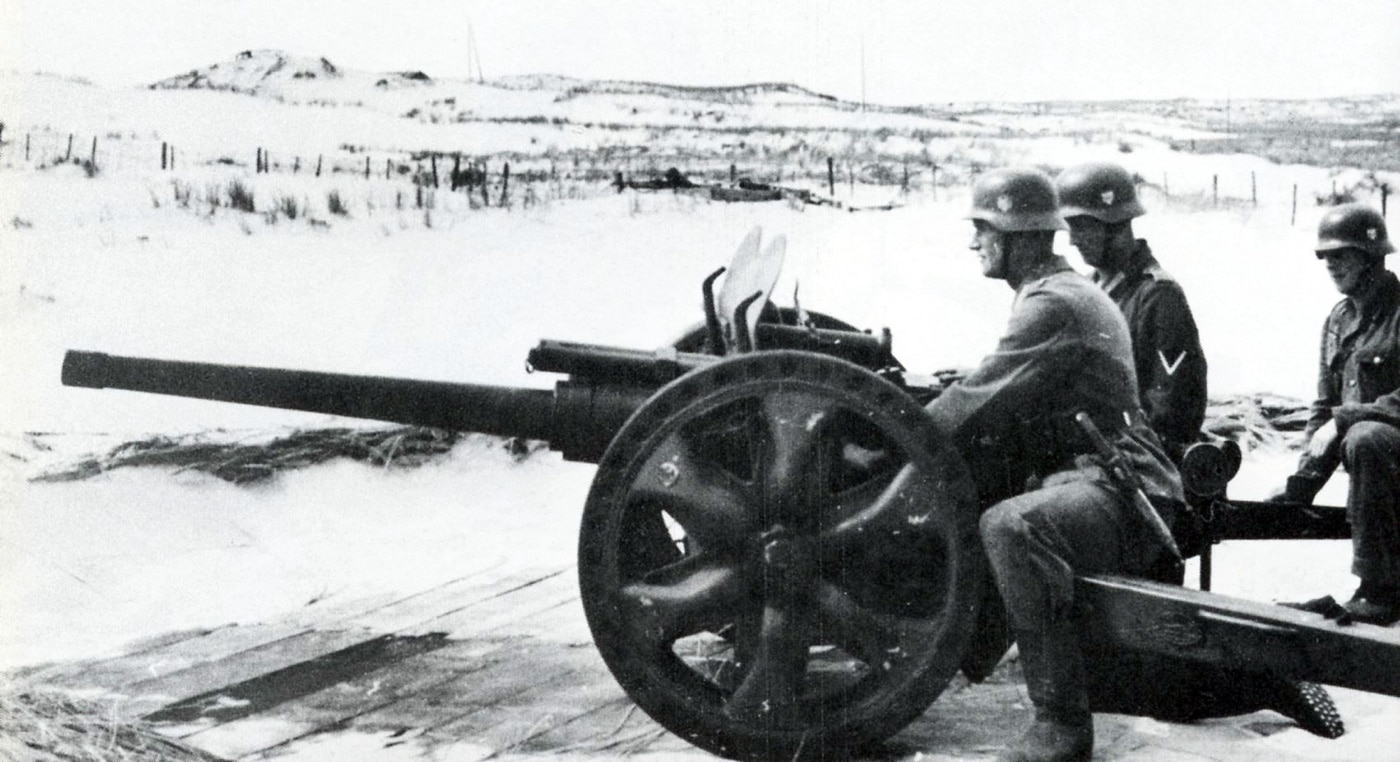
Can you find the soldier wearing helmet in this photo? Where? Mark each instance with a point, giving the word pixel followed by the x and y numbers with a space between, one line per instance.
pixel 1356 418
pixel 1099 201
pixel 1066 350
pixel 1052 512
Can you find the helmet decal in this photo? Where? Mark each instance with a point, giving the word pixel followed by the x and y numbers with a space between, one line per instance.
pixel 1004 202
pixel 1107 197
pixel 1371 233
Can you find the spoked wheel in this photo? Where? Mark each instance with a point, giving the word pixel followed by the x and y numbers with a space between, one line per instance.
pixel 822 575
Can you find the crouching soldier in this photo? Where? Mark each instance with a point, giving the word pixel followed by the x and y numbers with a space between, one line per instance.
pixel 1356 418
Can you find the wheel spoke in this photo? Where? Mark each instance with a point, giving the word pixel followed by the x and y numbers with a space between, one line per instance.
pixel 901 504
pixel 855 629
pixel 709 502
pixel 777 659
pixel 794 423
pixel 687 597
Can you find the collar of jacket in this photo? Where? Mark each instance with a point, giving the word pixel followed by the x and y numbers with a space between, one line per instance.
pixel 1139 262
pixel 1055 264
pixel 1381 297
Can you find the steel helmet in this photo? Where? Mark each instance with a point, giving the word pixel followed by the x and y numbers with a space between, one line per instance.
pixel 1013 200
pixel 1103 191
pixel 1353 226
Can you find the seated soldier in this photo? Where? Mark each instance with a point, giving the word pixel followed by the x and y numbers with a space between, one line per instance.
pixel 1099 202
pixel 1356 418
pixel 1066 351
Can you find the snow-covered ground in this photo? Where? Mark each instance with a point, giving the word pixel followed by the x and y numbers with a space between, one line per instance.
pixel 116 263
pixel 464 301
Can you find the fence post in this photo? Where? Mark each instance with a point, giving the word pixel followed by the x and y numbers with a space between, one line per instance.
pixel 172 158
pixel 830 177
pixel 1253 189
pixel 733 174
pixel 1385 194
pixel 388 167
pixel 1214 190
pixel 505 184
pixel 318 165
pixel 851 178
pixel 485 182
pixel 433 159
pixel 1293 217
pixel 69 156
pixel 296 165
pixel 366 167
pixel 456 171
pixel 162 156
pixel 905 185
pixel 26 146
pixel 92 158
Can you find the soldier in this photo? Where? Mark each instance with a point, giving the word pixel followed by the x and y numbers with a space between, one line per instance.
pixel 1356 417
pixel 1099 201
pixel 1066 350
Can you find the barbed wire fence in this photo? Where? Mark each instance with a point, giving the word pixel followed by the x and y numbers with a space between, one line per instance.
pixel 507 180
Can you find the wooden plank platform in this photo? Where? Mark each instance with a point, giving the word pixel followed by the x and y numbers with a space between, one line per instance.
pixel 499 664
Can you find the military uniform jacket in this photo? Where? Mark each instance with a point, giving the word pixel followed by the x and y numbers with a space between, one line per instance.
pixel 1065 350
pixel 1171 368
pixel 1358 376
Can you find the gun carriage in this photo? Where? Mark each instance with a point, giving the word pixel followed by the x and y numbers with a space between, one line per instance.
pixel 778 555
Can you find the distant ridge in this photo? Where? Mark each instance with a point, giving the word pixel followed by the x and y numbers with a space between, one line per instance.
pixel 294 79
pixel 719 93
pixel 278 73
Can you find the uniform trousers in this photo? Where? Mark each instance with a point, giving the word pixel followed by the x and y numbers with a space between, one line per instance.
pixel 1038 541
pixel 1371 452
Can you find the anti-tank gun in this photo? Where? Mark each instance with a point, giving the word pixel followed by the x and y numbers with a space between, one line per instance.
pixel 778 556
pixel 777 553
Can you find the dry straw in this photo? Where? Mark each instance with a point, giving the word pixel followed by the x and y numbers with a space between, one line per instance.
pixel 49 725
pixel 242 463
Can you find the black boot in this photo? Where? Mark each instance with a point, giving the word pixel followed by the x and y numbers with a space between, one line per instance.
pixel 1375 604
pixel 1063 730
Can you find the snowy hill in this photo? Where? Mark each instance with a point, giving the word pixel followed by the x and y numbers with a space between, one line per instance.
pixel 263 72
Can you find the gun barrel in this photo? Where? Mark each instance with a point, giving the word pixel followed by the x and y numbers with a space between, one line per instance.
pixel 504 411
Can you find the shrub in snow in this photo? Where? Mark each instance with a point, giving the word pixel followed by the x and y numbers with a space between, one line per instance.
pixel 240 196
pixel 287 206
pixel 335 204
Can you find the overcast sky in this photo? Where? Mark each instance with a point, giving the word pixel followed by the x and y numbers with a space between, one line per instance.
pixel 887 52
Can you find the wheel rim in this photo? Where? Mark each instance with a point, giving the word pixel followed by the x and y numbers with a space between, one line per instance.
pixel 819 580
